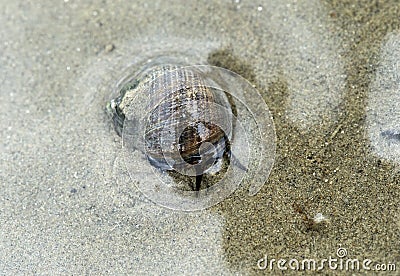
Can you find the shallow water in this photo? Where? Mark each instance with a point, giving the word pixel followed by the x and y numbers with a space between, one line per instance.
pixel 327 71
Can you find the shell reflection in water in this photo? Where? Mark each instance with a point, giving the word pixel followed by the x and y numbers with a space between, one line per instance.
pixel 192 120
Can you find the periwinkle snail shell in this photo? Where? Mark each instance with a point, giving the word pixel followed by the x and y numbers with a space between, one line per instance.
pixel 185 117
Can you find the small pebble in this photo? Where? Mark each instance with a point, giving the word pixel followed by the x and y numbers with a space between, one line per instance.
pixel 109 48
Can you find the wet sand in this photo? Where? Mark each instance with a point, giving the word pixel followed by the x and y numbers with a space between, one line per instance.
pixel 324 68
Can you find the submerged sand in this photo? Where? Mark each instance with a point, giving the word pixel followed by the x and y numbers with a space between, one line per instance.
pixel 326 69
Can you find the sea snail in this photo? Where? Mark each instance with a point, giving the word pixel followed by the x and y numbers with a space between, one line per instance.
pixel 188 124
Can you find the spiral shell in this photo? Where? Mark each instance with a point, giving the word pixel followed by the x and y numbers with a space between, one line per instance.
pixel 189 120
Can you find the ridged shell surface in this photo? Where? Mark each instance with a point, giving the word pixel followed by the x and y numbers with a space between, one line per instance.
pixel 184 112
